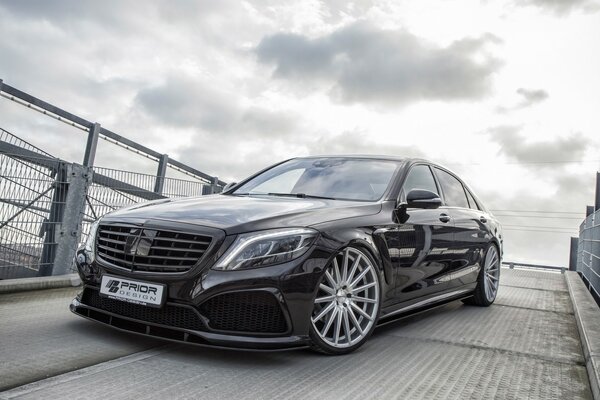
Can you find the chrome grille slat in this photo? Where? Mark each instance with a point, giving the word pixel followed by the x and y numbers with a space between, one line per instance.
pixel 115 233
pixel 119 260
pixel 139 248
pixel 178 249
pixel 111 240
pixel 181 241
pixel 112 249
pixel 170 258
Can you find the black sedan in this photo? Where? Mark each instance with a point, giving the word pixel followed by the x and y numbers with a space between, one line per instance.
pixel 311 252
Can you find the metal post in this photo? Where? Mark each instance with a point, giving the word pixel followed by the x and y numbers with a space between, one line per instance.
pixel 161 173
pixel 597 191
pixel 589 210
pixel 573 254
pixel 213 187
pixel 54 219
pixel 69 231
pixel 90 147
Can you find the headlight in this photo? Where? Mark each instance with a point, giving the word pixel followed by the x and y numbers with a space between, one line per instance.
pixel 90 243
pixel 260 249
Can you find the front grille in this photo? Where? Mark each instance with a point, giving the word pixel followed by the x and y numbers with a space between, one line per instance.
pixel 254 311
pixel 139 249
pixel 175 316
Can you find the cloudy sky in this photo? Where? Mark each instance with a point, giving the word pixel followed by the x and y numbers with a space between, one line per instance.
pixel 506 93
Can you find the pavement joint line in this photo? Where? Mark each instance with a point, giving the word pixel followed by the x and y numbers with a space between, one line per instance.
pixel 490 348
pixel 532 288
pixel 83 372
pixel 533 309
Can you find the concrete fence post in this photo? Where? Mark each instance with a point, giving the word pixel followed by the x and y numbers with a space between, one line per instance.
pixel 573 254
pixel 69 231
pixel 213 187
pixel 49 227
pixel 161 172
pixel 597 204
pixel 589 210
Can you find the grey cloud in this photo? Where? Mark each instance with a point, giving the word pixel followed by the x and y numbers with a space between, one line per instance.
pixel 356 142
pixel 187 102
pixel 363 63
pixel 527 98
pixel 515 146
pixel 111 12
pixel 531 96
pixel 564 7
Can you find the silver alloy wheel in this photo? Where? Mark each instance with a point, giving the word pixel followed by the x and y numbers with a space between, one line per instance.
pixel 347 301
pixel 491 273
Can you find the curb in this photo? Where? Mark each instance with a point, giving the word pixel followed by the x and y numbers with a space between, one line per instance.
pixel 587 315
pixel 39 283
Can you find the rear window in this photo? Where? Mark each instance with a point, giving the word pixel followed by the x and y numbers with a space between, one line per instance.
pixel 454 192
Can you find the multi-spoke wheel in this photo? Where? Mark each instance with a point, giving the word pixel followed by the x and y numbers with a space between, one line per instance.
pixel 488 280
pixel 347 304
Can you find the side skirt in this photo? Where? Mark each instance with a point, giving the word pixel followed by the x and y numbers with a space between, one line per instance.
pixel 424 305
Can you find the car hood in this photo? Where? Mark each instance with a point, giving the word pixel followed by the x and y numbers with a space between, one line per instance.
pixel 237 214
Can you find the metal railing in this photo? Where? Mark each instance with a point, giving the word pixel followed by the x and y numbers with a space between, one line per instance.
pixel 47 204
pixel 513 265
pixel 588 253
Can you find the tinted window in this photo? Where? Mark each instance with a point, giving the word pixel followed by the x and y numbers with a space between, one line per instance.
pixel 472 202
pixel 454 193
pixel 419 177
pixel 340 178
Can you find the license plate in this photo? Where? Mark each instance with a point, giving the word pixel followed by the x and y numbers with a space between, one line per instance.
pixel 132 291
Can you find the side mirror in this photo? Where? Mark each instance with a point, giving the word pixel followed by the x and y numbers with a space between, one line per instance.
pixel 420 198
pixel 229 186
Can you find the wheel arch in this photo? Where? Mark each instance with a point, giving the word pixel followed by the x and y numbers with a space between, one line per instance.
pixel 375 255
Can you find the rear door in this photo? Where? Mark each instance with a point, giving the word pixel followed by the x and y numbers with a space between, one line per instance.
pixel 424 236
pixel 470 231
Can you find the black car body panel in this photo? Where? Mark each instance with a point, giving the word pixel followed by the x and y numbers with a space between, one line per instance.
pixel 426 257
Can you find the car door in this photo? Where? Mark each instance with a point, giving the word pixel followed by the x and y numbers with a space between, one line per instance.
pixel 424 236
pixel 470 231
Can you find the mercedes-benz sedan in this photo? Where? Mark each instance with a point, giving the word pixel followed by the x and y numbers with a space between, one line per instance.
pixel 311 252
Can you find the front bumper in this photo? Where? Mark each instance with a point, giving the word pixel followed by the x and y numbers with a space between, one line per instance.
pixel 175 334
pixel 262 309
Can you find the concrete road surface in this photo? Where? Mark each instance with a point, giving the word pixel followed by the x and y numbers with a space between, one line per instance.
pixel 525 346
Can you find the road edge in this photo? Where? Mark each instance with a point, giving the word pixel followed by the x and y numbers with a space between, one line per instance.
pixel 83 372
pixel 587 315
pixel 39 283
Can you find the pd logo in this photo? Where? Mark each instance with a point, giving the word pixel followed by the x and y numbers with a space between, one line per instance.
pixel 112 285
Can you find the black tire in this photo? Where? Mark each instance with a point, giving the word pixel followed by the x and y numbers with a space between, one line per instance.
pixel 479 297
pixel 318 344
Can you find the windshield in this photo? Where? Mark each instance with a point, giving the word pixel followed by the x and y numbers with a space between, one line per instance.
pixel 335 178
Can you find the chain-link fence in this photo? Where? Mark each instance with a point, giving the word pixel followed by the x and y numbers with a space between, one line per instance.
pixel 36 190
pixel 47 204
pixel 588 253
pixel 29 185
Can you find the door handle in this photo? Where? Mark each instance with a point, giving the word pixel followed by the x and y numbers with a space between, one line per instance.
pixel 483 219
pixel 444 218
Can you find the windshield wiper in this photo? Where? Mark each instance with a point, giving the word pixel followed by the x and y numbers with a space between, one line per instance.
pixel 301 196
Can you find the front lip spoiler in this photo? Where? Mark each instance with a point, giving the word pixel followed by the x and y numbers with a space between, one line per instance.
pixel 179 335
